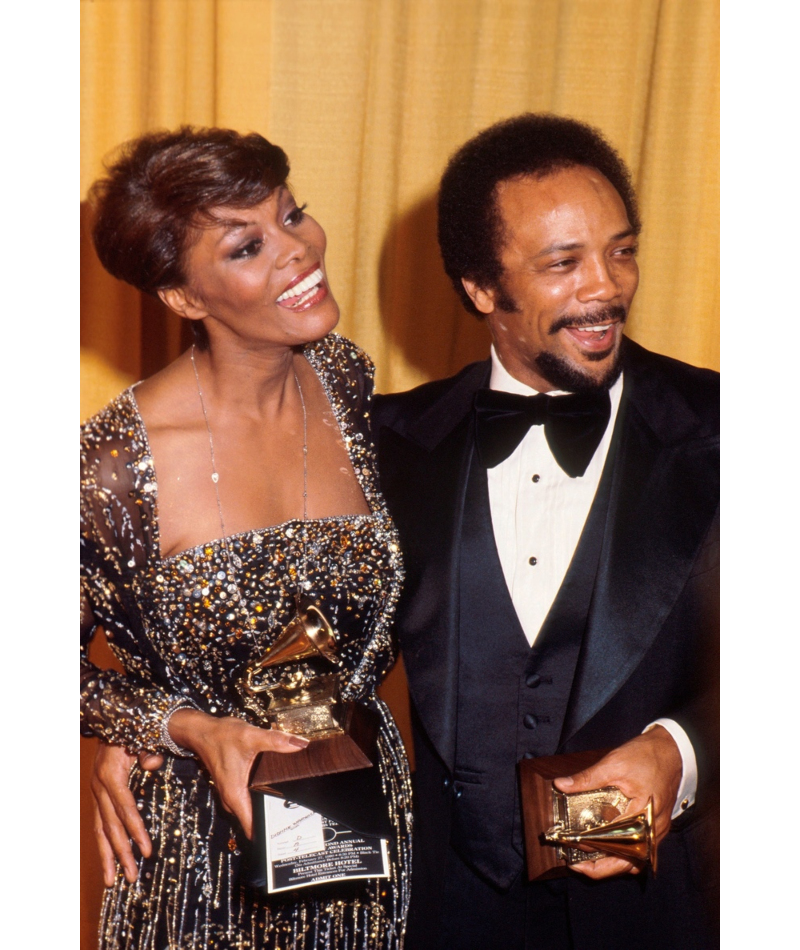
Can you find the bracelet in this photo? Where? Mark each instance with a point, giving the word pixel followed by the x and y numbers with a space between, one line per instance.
pixel 165 738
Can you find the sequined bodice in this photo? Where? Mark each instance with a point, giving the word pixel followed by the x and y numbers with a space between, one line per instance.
pixel 199 626
pixel 189 624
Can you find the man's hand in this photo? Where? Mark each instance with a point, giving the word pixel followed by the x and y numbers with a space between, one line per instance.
pixel 227 746
pixel 648 765
pixel 117 821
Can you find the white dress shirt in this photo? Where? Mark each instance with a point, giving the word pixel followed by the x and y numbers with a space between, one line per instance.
pixel 538 514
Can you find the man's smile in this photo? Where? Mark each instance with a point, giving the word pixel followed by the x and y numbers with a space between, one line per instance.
pixel 596 333
pixel 594 339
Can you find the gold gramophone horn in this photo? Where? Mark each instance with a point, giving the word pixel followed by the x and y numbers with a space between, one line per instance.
pixel 629 836
pixel 307 634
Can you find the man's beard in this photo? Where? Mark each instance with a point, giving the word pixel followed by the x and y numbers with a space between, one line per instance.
pixel 560 372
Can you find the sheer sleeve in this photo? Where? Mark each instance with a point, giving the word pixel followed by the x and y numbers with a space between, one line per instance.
pixel 122 709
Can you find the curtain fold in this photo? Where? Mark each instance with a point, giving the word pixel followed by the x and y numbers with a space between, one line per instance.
pixel 369 99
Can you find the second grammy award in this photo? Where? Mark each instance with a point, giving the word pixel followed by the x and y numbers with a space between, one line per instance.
pixel 563 829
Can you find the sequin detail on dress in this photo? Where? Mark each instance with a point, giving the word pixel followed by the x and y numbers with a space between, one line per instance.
pixel 172 624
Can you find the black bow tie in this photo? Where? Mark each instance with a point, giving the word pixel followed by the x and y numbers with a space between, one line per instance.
pixel 573 425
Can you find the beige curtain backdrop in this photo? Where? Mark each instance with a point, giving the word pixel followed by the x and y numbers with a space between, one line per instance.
pixel 369 98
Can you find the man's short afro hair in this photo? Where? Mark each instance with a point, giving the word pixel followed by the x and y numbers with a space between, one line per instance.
pixel 537 144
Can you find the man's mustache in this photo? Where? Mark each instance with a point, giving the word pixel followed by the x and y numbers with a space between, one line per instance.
pixel 611 313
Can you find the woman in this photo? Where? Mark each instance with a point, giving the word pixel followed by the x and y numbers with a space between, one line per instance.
pixel 213 495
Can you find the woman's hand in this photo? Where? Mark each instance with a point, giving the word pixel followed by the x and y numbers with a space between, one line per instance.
pixel 117 821
pixel 228 747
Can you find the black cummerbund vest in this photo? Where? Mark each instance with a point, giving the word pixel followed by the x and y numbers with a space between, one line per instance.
pixel 512 698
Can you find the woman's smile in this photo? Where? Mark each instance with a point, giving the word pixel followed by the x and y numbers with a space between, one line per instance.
pixel 305 291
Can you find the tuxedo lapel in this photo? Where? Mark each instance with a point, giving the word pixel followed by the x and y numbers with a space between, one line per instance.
pixel 663 497
pixel 423 468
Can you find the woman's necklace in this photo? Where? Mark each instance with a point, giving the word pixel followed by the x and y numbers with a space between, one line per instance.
pixel 305 699
pixel 233 559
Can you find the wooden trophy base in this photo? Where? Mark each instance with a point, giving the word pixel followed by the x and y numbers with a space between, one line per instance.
pixel 337 777
pixel 536 792
pixel 353 749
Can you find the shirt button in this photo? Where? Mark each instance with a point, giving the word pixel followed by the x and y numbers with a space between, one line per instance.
pixel 529 721
pixel 535 479
pixel 533 680
pixel 684 804
pixel 531 561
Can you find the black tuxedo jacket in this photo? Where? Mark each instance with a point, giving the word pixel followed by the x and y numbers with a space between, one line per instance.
pixel 650 645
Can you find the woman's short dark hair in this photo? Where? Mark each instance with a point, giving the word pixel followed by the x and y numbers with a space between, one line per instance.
pixel 537 144
pixel 163 184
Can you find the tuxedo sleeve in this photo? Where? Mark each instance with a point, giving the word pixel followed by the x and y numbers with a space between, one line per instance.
pixel 699 716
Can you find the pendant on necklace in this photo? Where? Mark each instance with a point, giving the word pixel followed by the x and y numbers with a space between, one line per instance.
pixel 214 477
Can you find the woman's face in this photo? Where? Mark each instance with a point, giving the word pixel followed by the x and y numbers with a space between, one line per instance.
pixel 259 274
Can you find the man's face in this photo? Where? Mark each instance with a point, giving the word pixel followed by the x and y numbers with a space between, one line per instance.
pixel 569 275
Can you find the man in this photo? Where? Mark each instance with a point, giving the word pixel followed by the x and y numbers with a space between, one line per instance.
pixel 561 577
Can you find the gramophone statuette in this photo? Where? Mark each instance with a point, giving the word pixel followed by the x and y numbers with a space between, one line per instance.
pixel 563 829
pixel 597 818
pixel 295 687
pixel 304 698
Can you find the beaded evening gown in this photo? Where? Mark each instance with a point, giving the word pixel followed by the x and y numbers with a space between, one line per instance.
pixel 173 625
